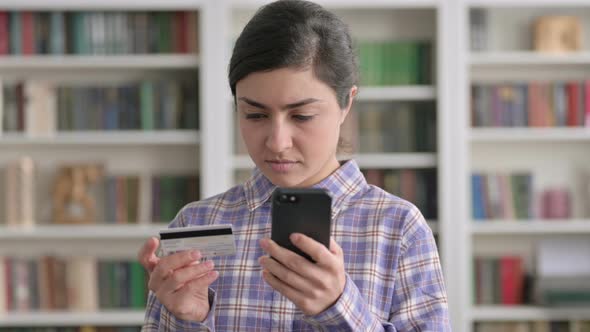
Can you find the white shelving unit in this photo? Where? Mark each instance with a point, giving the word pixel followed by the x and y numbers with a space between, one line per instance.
pixel 551 154
pixel 126 62
pixel 460 149
pixel 120 138
pixel 103 318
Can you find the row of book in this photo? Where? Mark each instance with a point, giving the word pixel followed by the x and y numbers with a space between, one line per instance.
pixel 536 326
pixel 40 108
pixel 119 196
pixel 391 127
pixel 169 193
pixel 98 32
pixel 418 186
pixel 502 196
pixel 532 104
pixel 51 283
pixel 395 62
pixel 73 329
pixel 500 280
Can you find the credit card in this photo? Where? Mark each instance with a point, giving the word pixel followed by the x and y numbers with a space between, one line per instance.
pixel 210 240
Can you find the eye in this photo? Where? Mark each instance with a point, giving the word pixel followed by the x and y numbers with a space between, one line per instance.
pixel 302 118
pixel 255 116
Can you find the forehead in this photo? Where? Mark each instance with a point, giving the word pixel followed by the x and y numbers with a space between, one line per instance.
pixel 283 85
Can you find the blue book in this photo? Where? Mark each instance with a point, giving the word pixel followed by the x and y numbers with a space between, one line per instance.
pixel 57 39
pixel 477 197
pixel 15 33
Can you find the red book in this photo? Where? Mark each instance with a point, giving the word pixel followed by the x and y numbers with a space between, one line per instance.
pixel 4 33
pixel 587 122
pixel 8 283
pixel 28 33
pixel 180 32
pixel 573 98
pixel 511 277
pixel 533 103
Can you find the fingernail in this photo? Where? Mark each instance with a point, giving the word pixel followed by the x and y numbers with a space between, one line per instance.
pixel 209 264
pixel 261 260
pixel 195 254
pixel 264 243
pixel 294 237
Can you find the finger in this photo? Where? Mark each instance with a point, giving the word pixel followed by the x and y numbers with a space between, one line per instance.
pixel 168 264
pixel 280 271
pixel 183 275
pixel 290 259
pixel 289 292
pixel 147 254
pixel 317 251
pixel 335 248
pixel 203 281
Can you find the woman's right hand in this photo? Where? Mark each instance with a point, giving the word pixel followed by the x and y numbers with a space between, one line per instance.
pixel 179 281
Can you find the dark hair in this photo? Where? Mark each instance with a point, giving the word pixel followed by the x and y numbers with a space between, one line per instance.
pixel 297 34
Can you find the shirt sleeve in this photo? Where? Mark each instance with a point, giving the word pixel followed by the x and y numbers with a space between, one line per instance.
pixel 419 303
pixel 420 300
pixel 349 313
pixel 158 318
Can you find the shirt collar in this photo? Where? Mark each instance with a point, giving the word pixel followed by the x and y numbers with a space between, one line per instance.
pixel 342 184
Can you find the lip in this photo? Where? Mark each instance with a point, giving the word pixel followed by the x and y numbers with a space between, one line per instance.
pixel 281 166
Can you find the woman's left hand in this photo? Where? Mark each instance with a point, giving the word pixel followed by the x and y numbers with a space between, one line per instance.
pixel 312 287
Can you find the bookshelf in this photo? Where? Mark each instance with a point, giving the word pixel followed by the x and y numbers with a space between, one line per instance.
pixel 108 318
pixel 147 153
pixel 552 154
pixel 210 150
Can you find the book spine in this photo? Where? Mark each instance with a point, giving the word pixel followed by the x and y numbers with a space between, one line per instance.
pixel 4 33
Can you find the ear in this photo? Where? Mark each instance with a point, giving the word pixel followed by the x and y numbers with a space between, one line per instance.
pixel 351 95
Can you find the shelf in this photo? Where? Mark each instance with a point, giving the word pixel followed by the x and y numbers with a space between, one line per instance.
pixel 506 227
pixel 527 3
pixel 402 93
pixel 530 313
pixel 121 317
pixel 533 135
pixel 523 58
pixel 344 4
pixel 115 137
pixel 126 62
pixel 376 160
pixel 81 232
pixel 102 4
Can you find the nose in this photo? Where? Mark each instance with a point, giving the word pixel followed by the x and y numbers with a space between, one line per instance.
pixel 279 138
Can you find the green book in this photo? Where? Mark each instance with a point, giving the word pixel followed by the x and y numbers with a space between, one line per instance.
pixel 138 286
pixel 15 33
pixel 147 105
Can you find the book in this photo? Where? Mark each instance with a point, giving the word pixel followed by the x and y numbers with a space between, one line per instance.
pixel 40 109
pixel 82 284
pixel 20 193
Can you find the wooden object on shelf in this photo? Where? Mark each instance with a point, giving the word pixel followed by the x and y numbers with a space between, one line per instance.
pixel 557 34
pixel 72 203
pixel 19 193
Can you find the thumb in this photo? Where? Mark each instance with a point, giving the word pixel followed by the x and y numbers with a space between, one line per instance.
pixel 147 254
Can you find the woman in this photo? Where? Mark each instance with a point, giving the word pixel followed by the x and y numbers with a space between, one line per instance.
pixel 293 73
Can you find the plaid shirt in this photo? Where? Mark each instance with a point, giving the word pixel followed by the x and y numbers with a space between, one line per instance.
pixel 393 275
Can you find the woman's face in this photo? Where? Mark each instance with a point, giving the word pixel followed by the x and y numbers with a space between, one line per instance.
pixel 290 122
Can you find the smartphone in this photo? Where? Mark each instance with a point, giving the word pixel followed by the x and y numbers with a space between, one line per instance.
pixel 301 210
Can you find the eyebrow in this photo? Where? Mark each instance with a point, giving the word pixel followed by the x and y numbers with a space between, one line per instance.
pixel 286 107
